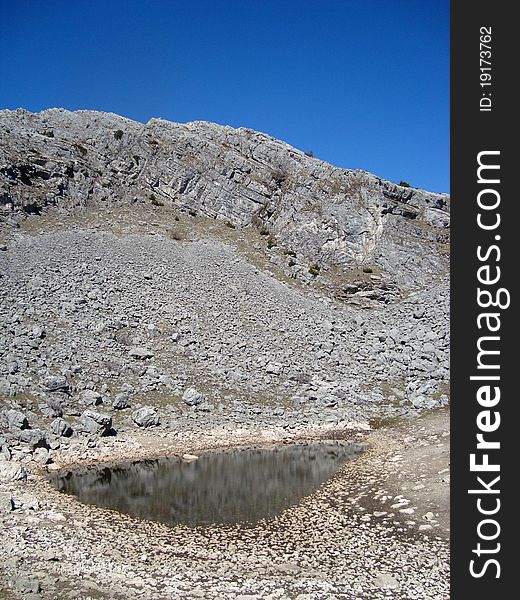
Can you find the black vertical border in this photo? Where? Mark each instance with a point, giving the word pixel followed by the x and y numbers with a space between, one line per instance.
pixel 473 131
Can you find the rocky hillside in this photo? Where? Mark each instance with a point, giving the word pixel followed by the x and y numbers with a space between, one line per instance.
pixel 333 219
pixel 215 275
pixel 170 289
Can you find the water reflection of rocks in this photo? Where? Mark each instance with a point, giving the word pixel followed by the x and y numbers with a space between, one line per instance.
pixel 220 487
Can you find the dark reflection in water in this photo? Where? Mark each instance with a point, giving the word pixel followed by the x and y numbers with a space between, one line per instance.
pixel 220 487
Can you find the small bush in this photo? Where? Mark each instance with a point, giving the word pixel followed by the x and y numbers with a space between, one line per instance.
pixel 404 184
pixel 81 149
pixel 264 231
pixel 192 212
pixel 49 133
pixel 309 153
pixel 155 201
pixel 315 270
pixel 292 262
pixel 280 177
pixel 271 242
pixel 290 253
pixel 230 225
pixel 118 134
pixel 368 270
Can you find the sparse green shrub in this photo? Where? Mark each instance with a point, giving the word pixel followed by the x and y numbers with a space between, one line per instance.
pixel 155 201
pixel 271 242
pixel 118 134
pixel 290 253
pixel 81 149
pixel 368 270
pixel 404 184
pixel 315 270
pixel 280 177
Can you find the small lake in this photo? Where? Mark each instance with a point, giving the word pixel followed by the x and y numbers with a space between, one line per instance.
pixel 228 486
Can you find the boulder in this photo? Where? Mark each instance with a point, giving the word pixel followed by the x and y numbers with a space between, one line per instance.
pixel 34 438
pixel 61 428
pixel 6 502
pixel 147 416
pixel 121 402
pixel 90 398
pixel 94 423
pixel 192 397
pixel 140 353
pixel 12 471
pixel 53 383
pixel 17 420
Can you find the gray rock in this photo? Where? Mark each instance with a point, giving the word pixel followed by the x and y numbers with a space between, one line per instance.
pixel 60 428
pixel 41 455
pixel 140 353
pixel 53 383
pixel 386 581
pixel 26 585
pixel 34 438
pixel 121 402
pixel 17 420
pixel 12 471
pixel 94 423
pixel 147 416
pixel 192 397
pixel 91 398
pixel 6 502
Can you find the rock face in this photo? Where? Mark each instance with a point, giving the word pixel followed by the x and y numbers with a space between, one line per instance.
pixel 215 276
pixel 330 216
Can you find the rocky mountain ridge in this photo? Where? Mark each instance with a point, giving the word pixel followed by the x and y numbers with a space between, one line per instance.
pixel 336 219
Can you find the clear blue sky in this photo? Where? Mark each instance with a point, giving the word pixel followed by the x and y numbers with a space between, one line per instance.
pixel 362 83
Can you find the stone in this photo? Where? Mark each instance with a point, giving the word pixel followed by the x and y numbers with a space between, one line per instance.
pixel 145 417
pixel 386 581
pixel 91 398
pixel 41 455
pixel 34 438
pixel 192 397
pixel 94 423
pixel 140 353
pixel 61 428
pixel 26 585
pixel 53 383
pixel 121 402
pixel 12 471
pixel 6 502
pixel 17 420
pixel 189 457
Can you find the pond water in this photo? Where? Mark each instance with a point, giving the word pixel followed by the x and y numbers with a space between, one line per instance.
pixel 230 486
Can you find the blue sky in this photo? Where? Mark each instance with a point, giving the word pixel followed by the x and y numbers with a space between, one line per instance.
pixel 362 83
